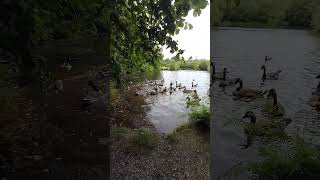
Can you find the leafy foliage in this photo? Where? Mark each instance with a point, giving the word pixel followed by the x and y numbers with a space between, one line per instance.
pixel 174 64
pixel 200 116
pixel 297 161
pixel 138 28
pixel 271 13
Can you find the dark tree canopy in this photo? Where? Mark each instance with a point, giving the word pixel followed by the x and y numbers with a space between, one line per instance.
pixel 138 27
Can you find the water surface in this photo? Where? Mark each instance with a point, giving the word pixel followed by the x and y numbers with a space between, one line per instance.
pixel 167 111
pixel 242 51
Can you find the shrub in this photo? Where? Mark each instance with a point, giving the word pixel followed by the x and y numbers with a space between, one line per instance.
pixel 298 161
pixel 204 65
pixel 200 116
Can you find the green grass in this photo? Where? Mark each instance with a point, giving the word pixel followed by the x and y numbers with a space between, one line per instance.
pixel 173 65
pixel 200 116
pixel 135 140
pixel 174 135
pixel 297 160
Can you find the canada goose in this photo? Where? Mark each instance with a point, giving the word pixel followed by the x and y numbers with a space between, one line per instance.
pixel 195 95
pixel 68 65
pixel 185 90
pixel 267 59
pixel 318 87
pixel 178 85
pixel 182 87
pixel 269 76
pixel 193 85
pixel 250 115
pixel 245 93
pixel 272 105
pixel 153 93
pixel 164 90
pixel 58 86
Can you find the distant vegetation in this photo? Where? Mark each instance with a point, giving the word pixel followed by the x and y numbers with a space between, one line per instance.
pixel 267 13
pixel 173 65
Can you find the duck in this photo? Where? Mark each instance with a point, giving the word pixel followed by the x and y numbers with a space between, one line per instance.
pixel 185 90
pixel 272 105
pixel 245 93
pixel 270 76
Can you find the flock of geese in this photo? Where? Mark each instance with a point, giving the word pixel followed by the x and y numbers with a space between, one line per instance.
pixel 272 106
pixel 158 87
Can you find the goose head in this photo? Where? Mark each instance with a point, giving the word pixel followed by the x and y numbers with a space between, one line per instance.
pixel 238 80
pixel 250 114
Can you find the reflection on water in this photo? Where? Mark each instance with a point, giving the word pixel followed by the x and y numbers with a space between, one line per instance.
pixel 167 111
pixel 242 51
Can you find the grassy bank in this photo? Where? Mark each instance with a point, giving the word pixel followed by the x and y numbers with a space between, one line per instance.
pixel 293 159
pixel 199 121
pixel 173 65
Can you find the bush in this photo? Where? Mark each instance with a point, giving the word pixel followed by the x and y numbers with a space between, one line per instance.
pixel 298 161
pixel 200 116
pixel 204 65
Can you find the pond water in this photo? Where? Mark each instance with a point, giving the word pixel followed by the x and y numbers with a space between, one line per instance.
pixel 167 111
pixel 242 51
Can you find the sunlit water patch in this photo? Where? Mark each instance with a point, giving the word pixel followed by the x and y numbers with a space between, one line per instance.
pixel 167 111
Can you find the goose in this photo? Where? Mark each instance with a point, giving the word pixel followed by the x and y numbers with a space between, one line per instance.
pixel 185 90
pixel 58 86
pixel 269 76
pixel 245 93
pixel 272 105
pixel 164 90
pixel 68 65
pixel 193 85
pixel 63 65
pixel 314 100
pixel 178 85
pixel 267 59
pixel 195 95
pixel 182 87
pixel 226 82
pixel 318 87
pixel 221 75
pixel 262 128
